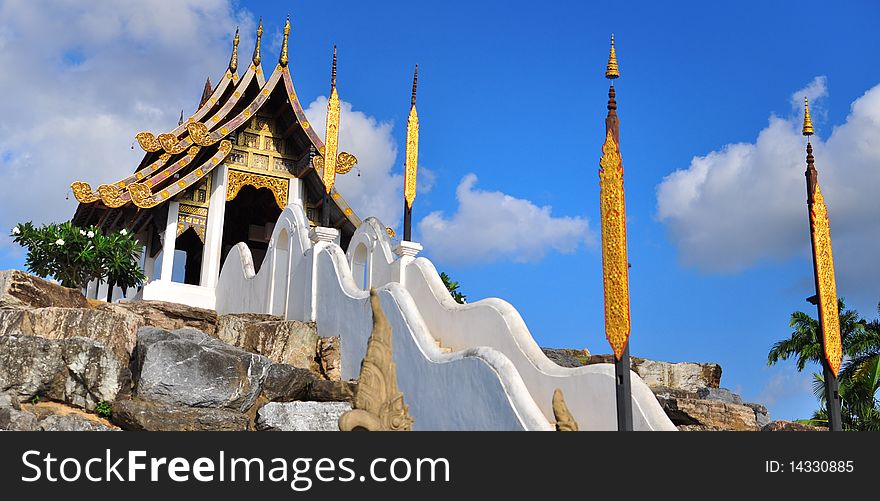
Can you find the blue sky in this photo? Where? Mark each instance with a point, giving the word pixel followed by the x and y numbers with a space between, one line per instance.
pixel 513 92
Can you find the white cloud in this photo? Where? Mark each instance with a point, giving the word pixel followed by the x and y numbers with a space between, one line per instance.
pixel 746 202
pixel 490 226
pixel 82 78
pixel 785 384
pixel 378 191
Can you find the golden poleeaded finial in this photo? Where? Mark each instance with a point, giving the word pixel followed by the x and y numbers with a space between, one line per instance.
pixel 333 70
pixel 415 85
pixel 808 122
pixel 256 57
pixel 282 60
pixel 611 71
pixel 233 61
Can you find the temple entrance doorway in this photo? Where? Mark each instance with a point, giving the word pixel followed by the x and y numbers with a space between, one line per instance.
pixel 250 218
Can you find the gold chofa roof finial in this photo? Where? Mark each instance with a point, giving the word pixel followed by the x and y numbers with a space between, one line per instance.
pixel 333 70
pixel 256 57
pixel 808 122
pixel 233 61
pixel 415 85
pixel 611 71
pixel 282 60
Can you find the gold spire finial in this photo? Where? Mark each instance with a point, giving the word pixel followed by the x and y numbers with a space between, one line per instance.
pixel 808 122
pixel 256 57
pixel 415 84
pixel 233 61
pixel 611 71
pixel 282 60
pixel 333 71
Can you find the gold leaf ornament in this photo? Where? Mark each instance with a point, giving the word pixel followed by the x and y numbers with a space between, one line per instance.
pixel 828 308
pixel 615 264
pixel 111 196
pixel 142 196
pixel 345 161
pixel 148 142
pixel 83 192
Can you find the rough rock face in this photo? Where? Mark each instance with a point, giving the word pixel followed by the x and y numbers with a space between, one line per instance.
pixel 113 328
pixel 565 357
pixel 330 357
pixel 762 415
pixel 301 416
pixel 691 411
pixel 23 290
pixel 332 391
pixel 17 420
pixel 189 368
pixel 139 415
pixel 170 316
pixel 72 422
pixel 47 416
pixel 285 383
pixel 791 426
pixel 76 371
pixel 690 376
pixel 282 341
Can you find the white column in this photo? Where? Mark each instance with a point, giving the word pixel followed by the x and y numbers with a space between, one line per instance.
pixel 294 191
pixel 214 231
pixel 169 242
pixel 321 238
pixel 407 252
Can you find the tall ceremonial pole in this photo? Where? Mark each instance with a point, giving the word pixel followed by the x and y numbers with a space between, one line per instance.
pixel 615 265
pixel 826 288
pixel 331 144
pixel 412 161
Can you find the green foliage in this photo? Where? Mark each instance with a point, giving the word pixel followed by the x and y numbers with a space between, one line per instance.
pixel 104 409
pixel 453 288
pixel 859 376
pixel 74 255
pixel 35 400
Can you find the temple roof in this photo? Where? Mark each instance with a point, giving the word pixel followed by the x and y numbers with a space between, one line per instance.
pixel 177 160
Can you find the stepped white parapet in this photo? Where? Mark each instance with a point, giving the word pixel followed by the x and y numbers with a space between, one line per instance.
pixel 495 377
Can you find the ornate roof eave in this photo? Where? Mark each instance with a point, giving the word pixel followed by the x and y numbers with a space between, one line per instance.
pixel 114 194
pixel 210 134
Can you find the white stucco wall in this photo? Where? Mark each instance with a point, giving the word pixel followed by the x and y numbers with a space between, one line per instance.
pixel 496 377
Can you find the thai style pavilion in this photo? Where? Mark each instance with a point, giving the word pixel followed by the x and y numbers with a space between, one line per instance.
pixel 221 177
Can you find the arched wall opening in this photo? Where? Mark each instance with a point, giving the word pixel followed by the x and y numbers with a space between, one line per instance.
pixel 281 274
pixel 189 249
pixel 359 268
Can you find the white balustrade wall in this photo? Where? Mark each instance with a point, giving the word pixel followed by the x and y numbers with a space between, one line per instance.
pixel 495 378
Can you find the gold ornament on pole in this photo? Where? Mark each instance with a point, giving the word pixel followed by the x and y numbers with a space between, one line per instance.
pixel 282 59
pixel 823 260
pixel 615 266
pixel 233 60
pixel 331 144
pixel 412 146
pixel 256 57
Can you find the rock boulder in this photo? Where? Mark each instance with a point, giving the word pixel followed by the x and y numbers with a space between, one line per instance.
pixel 76 371
pixel 187 367
pixel 330 357
pixel 139 415
pixel 301 416
pixel 791 426
pixel 23 290
pixel 566 357
pixel 115 329
pixel 170 316
pixel 282 341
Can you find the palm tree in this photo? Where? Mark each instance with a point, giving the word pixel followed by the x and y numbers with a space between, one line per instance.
pixel 860 375
pixel 805 343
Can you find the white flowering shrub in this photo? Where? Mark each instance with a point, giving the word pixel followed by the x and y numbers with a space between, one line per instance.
pixel 74 255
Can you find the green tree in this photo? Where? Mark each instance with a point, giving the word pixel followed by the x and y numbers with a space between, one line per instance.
pixel 74 256
pixel 453 288
pixel 859 376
